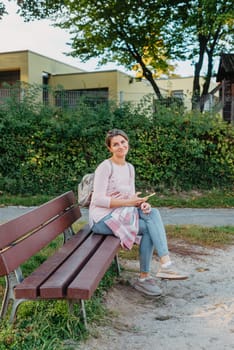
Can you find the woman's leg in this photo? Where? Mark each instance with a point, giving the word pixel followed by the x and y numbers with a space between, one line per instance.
pixel 145 283
pixel 147 286
pixel 154 228
pixel 101 228
pixel 146 248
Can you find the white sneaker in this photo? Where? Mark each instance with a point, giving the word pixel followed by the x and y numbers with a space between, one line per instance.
pixel 170 273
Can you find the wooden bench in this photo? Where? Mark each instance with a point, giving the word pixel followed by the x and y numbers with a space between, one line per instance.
pixel 73 272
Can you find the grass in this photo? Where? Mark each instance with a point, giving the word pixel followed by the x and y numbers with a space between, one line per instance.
pixel 27 201
pixel 49 325
pixel 209 237
pixel 215 198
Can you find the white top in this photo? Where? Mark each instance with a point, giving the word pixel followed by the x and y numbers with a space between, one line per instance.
pixel 117 181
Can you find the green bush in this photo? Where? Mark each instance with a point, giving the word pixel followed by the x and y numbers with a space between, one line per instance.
pixel 47 150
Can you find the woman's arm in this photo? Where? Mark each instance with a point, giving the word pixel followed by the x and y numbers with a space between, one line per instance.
pixel 100 186
pixel 134 201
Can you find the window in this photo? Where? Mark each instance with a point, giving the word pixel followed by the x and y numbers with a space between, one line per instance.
pixel 45 91
pixel 70 98
pixel 178 94
pixel 9 77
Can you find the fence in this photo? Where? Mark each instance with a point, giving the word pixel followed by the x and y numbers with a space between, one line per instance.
pixel 70 98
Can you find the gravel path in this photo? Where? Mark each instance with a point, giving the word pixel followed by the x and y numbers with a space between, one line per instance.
pixel 173 216
pixel 195 314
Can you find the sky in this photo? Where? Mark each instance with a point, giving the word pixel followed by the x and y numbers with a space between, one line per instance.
pixel 41 37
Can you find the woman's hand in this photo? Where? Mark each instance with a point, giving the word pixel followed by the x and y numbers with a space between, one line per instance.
pixel 133 201
pixel 126 201
pixel 136 200
pixel 146 207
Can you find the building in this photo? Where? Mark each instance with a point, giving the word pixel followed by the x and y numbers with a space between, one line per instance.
pixel 70 83
pixel 225 77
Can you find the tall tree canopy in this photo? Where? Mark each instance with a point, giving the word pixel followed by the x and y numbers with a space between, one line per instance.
pixel 2 9
pixel 134 32
pixel 208 27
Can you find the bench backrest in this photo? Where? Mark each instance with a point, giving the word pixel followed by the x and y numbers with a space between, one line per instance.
pixel 26 235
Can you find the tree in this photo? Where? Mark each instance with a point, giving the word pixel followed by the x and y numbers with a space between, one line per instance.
pixel 164 69
pixel 2 9
pixel 112 30
pixel 208 31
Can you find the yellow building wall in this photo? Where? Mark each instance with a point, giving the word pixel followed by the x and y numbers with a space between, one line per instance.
pixel 32 65
pixel 37 64
pixel 184 84
pixel 123 87
pixel 15 61
pixel 132 90
pixel 120 85
pixel 89 80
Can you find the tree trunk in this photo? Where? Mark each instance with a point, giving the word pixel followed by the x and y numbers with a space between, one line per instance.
pixel 146 72
pixel 206 85
pixel 149 76
pixel 198 66
pixel 210 53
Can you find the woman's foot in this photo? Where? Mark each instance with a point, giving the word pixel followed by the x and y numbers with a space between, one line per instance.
pixel 147 286
pixel 169 272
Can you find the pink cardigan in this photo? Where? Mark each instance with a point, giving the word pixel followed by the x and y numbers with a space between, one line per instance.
pixel 118 183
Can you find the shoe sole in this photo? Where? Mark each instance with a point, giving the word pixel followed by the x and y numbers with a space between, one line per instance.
pixel 147 292
pixel 175 278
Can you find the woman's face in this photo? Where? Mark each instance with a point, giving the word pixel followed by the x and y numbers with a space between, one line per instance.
pixel 118 146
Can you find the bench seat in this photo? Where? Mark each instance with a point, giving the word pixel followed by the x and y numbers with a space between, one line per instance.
pixel 73 272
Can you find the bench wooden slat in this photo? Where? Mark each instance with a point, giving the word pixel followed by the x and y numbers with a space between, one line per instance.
pixel 84 285
pixel 29 287
pixel 14 229
pixel 73 271
pixel 28 247
pixel 56 285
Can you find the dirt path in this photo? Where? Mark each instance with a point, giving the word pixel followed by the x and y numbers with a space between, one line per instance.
pixel 195 314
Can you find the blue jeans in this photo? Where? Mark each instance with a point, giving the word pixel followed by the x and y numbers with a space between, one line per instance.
pixel 152 230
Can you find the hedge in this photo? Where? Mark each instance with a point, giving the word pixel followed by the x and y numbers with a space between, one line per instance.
pixel 47 150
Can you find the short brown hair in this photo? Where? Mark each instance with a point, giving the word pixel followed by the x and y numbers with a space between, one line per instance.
pixel 114 132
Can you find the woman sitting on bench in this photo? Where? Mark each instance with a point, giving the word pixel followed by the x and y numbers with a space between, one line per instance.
pixel 117 209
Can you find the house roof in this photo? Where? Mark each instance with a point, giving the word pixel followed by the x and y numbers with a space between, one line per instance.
pixel 226 67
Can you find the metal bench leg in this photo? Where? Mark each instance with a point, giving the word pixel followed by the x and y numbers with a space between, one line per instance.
pixel 71 306
pixel 12 280
pixel 83 311
pixel 67 234
pixel 6 299
pixel 15 306
pixel 117 265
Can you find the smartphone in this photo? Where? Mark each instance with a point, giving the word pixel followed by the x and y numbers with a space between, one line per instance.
pixel 150 195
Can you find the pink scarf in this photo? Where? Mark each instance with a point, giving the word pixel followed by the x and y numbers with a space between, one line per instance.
pixel 124 223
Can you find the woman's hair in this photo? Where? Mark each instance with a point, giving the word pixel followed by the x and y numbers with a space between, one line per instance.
pixel 114 132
